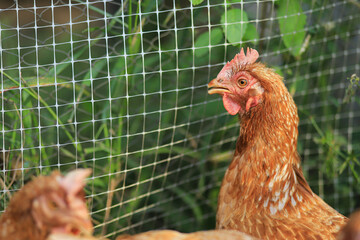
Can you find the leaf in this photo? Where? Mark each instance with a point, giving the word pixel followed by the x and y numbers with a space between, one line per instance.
pixel 67 153
pixel 298 86
pixel 31 82
pixel 61 67
pixel 196 2
pixel 221 157
pixel 278 70
pixel 292 25
pixel 150 5
pixel 94 71
pixel 98 182
pixel 236 23
pixel 203 41
pixel 251 33
pixel 356 175
pixel 351 90
pixel 343 166
pixel 95 149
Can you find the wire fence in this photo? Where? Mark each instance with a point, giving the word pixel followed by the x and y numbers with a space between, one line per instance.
pixel 121 87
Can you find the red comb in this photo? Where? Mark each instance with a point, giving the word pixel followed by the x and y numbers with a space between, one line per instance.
pixel 239 60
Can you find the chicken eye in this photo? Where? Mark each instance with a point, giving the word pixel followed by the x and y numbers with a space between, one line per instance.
pixel 52 205
pixel 242 83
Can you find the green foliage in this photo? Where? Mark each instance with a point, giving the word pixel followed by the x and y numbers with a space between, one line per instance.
pixel 251 34
pixel 351 161
pixel 196 2
pixel 335 153
pixel 234 23
pixel 10 83
pixel 203 41
pixel 331 146
pixel 353 86
pixel 292 25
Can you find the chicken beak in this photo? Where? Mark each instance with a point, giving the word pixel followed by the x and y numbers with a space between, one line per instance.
pixel 84 226
pixel 76 226
pixel 215 86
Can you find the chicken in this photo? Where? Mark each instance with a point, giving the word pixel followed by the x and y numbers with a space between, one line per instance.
pixel 167 235
pixel 69 236
pixel 47 204
pixel 264 192
pixel 174 235
pixel 351 231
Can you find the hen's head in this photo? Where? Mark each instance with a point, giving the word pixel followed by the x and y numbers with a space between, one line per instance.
pixel 241 82
pixel 55 204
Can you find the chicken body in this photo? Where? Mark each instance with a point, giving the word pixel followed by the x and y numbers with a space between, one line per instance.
pixel 47 204
pixel 264 192
pixel 351 231
pixel 202 235
pixel 62 236
pixel 167 235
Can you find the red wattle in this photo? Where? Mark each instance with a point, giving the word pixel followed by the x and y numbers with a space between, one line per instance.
pixel 252 102
pixel 231 105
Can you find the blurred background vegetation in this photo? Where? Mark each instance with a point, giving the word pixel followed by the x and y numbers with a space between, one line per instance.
pixel 121 87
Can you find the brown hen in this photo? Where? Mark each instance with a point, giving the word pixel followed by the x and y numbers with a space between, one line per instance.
pixel 264 192
pixel 167 235
pixel 174 235
pixel 351 231
pixel 47 204
pixel 68 236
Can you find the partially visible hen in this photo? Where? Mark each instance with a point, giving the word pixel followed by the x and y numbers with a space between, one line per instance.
pixel 68 236
pixel 64 236
pixel 48 204
pixel 174 235
pixel 351 231
pixel 167 235
pixel 264 192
